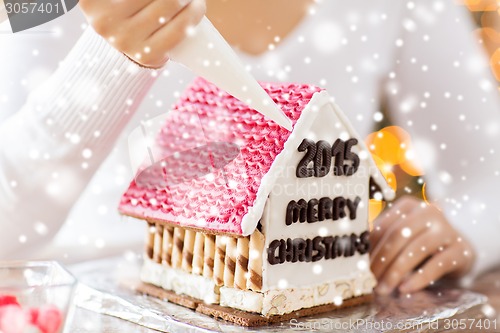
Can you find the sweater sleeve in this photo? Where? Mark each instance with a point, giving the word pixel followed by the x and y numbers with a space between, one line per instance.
pixel 51 148
pixel 442 91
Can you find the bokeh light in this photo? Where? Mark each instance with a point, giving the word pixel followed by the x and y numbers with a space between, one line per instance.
pixel 481 5
pixel 391 149
pixel 375 207
pixel 385 146
pixel 386 169
pixel 487 16
pixel 495 64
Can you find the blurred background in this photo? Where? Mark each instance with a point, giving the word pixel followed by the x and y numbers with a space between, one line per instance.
pixel 392 147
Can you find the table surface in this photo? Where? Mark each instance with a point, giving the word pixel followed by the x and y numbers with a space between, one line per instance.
pixel 86 321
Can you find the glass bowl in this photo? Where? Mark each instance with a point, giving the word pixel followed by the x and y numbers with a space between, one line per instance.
pixel 35 297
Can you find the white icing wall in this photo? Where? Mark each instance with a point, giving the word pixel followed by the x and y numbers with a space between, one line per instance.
pixel 328 127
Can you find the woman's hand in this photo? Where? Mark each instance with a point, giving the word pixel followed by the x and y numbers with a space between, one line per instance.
pixel 413 245
pixel 144 30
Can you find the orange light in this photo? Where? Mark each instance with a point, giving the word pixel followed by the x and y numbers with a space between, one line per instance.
pixel 403 138
pixel 495 64
pixel 481 5
pixel 490 38
pixel 386 170
pixel 403 153
pixel 393 145
pixel 488 35
pixel 386 146
pixel 375 207
pixel 411 165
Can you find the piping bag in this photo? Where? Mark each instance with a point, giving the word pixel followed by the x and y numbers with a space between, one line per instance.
pixel 207 54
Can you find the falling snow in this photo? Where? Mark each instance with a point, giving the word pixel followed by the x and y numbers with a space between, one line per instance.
pixel 406 232
pixel 329 49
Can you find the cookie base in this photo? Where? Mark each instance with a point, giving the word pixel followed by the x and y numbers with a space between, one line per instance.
pixel 239 317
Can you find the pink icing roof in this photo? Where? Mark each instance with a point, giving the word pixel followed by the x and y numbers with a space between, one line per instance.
pixel 216 151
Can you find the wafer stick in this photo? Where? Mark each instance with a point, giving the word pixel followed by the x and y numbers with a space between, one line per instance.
pixel 240 274
pixel 158 243
pixel 256 247
pixel 177 248
pixel 168 241
pixel 199 243
pixel 187 251
pixel 220 255
pixel 230 262
pixel 150 240
pixel 208 256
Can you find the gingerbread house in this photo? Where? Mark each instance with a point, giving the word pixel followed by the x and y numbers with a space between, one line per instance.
pixel 249 220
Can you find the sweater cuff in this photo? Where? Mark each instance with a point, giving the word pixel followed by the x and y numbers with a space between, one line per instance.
pixel 93 94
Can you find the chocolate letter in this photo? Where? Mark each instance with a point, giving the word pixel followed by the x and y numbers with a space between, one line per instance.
pixel 338 151
pixel 299 250
pixel 338 208
pixel 309 249
pixel 303 169
pixel 350 170
pixel 271 253
pixel 296 211
pixel 328 241
pixel 338 247
pixel 353 206
pixel 312 211
pixel 323 159
pixel 286 250
pixel 319 248
pixel 325 209
pixel 349 243
pixel 363 245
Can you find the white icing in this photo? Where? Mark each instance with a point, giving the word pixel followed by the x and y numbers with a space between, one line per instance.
pixel 308 127
pixel 278 302
pixel 271 302
pixel 245 300
pixel 374 171
pixel 205 52
pixel 152 272
pixel 325 125
pixel 180 281
pixel 250 220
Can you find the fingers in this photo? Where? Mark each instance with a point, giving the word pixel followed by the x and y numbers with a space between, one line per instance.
pixel 95 9
pixel 465 260
pixel 156 15
pixel 410 258
pixel 168 36
pixel 150 19
pixel 408 235
pixel 439 265
pixel 167 8
pixel 396 238
pixel 144 30
pixel 402 207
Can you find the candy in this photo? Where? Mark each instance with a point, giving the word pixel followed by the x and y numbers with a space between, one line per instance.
pixel 49 319
pixel 12 319
pixel 32 315
pixel 8 300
